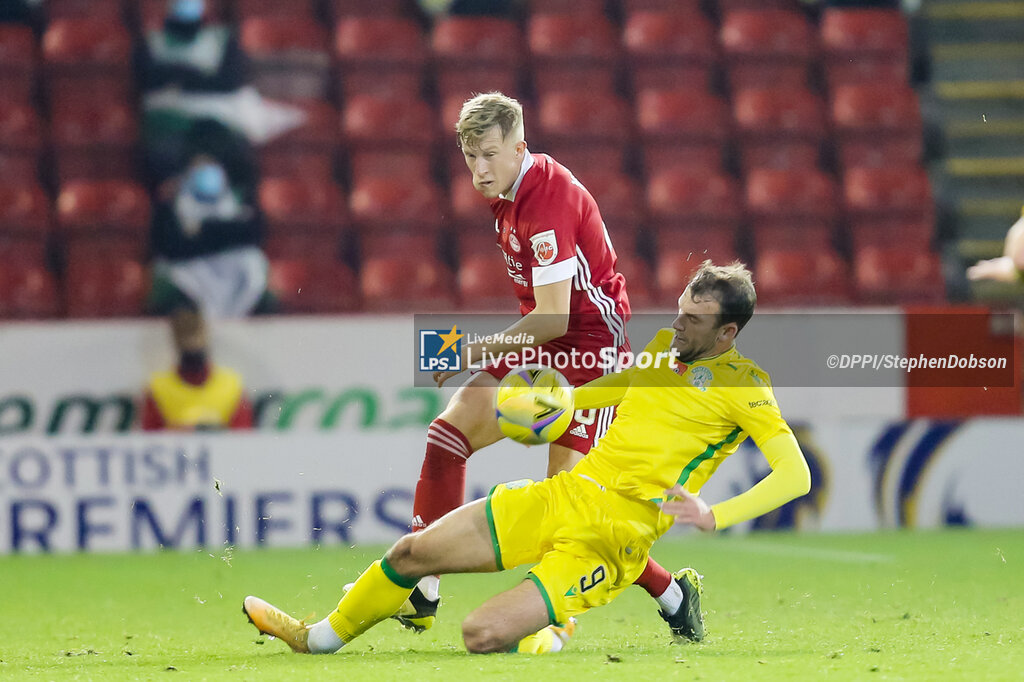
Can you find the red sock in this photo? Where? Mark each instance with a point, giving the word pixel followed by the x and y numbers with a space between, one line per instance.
pixel 442 484
pixel 654 579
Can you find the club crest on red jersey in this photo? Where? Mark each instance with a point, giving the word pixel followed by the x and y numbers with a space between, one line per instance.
pixel 513 241
pixel 545 247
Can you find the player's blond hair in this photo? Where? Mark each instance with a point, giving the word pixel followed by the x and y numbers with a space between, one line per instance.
pixel 482 112
pixel 731 285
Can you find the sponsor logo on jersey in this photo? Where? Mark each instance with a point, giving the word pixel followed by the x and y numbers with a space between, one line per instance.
pixel 545 247
pixel 580 431
pixel 700 377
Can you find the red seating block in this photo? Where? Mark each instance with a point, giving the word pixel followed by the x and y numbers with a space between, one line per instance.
pixel 767 46
pixel 381 205
pixel 107 287
pixel 86 56
pixel 104 216
pixel 779 127
pixel 402 273
pixel 94 138
pixel 585 130
pixel 791 208
pixel 389 135
pixel 21 139
pixel 314 286
pixel 683 198
pixel 340 9
pixel 24 222
pixel 681 127
pixel 27 291
pixel 680 250
pixel 476 54
pixel 801 277
pixel 483 284
pixel 669 49
pixel 877 125
pixel 308 150
pixel 864 45
pixel 18 61
pixel 380 54
pixel 287 56
pixel 572 52
pixel 896 273
pixel 302 204
pixel 275 9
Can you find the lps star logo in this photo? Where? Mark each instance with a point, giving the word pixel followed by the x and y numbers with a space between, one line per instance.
pixel 441 350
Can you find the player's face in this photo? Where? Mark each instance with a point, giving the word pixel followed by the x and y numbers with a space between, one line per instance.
pixel 494 162
pixel 698 333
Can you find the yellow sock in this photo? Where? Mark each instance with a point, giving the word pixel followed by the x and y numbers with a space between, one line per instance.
pixel 547 641
pixel 377 594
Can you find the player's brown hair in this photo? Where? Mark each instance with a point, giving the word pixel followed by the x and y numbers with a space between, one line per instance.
pixel 731 285
pixel 481 112
pixel 188 329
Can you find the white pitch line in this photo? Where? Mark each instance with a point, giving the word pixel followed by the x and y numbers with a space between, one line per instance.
pixel 840 555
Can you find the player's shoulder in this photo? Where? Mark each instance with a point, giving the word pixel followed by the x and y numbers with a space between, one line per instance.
pixel 741 371
pixel 662 340
pixel 557 181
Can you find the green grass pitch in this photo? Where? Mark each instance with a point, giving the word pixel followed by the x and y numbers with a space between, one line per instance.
pixel 943 605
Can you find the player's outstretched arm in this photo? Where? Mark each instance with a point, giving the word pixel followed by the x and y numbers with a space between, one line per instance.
pixel 601 392
pixel 1009 266
pixel 790 478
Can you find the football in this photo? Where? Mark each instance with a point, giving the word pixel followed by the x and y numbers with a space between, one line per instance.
pixel 533 404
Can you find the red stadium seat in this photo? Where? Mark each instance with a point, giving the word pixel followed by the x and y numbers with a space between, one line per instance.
pixel 864 46
pixel 681 127
pixel 585 130
pixel 106 287
pixel 669 49
pixel 620 200
pixel 287 56
pixel 402 273
pixel 476 54
pixel 314 286
pixel 877 125
pixel 87 56
pixel 18 61
pixel 678 253
pixel 896 273
pixel 21 139
pixel 309 150
pixel 483 284
pixel 109 10
pixel 94 138
pixel 572 52
pixel 109 213
pixel 302 204
pixel 883 204
pixel 767 46
pixel 382 205
pixel 24 221
pixel 639 280
pixel 27 291
pixel 341 9
pixel 471 212
pixel 631 6
pixel 796 277
pixel 275 9
pixel 389 135
pixel 791 208
pixel 684 198
pixel 779 127
pixel 380 54
pixel 583 8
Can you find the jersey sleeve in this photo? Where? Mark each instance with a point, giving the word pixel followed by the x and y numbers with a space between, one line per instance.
pixel 553 228
pixel 755 409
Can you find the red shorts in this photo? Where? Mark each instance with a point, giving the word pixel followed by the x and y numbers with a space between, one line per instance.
pixel 587 426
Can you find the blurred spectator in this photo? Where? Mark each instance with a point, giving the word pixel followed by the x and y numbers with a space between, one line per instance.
pixel 189 55
pixel 196 394
pixel 1010 266
pixel 205 238
pixel 21 11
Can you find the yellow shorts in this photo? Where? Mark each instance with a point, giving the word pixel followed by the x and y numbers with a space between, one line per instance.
pixel 589 543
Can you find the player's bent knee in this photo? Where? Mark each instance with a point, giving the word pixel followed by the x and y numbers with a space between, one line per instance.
pixel 481 637
pixel 404 557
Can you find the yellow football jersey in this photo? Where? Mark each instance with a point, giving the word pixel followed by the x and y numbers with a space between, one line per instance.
pixel 675 422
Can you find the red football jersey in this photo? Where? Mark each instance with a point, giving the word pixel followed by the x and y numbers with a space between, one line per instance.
pixel 549 229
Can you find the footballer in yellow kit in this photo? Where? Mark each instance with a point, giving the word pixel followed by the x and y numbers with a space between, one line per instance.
pixel 675 422
pixel 589 530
